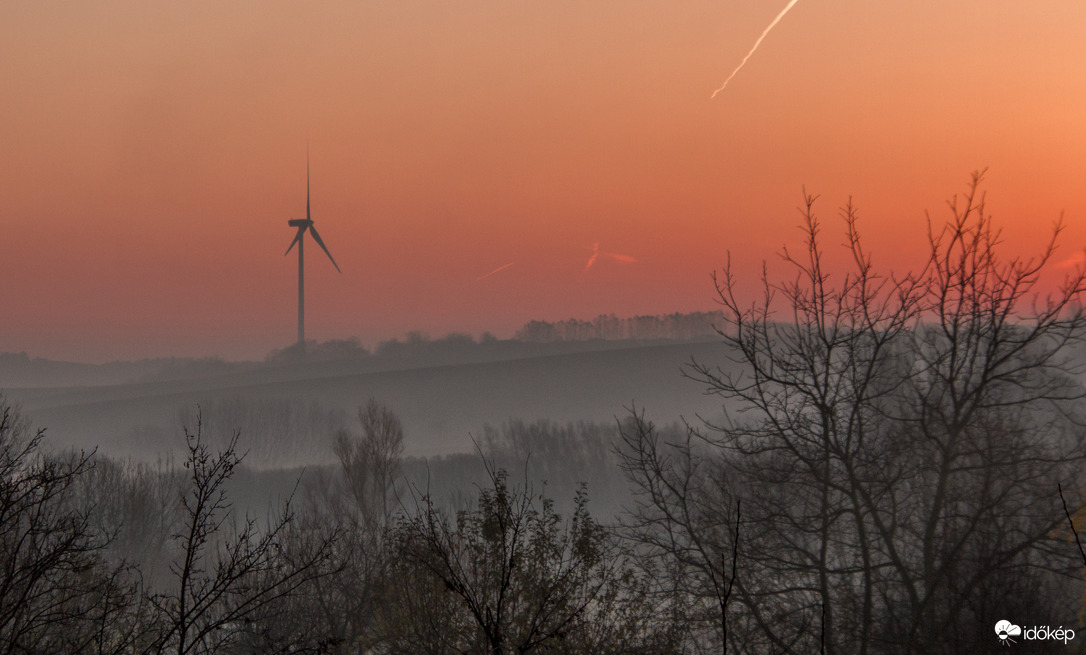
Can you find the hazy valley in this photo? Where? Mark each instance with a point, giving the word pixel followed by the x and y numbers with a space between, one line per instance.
pixel 443 398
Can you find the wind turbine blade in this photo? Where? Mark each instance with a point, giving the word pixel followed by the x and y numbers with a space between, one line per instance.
pixel 307 216
pixel 297 238
pixel 317 238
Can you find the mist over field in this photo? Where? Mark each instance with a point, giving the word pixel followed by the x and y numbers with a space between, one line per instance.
pixel 287 411
pixel 550 400
pixel 542 328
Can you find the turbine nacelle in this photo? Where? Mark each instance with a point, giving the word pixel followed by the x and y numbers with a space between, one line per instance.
pixel 304 225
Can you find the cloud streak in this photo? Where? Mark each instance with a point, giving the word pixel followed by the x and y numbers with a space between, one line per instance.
pixel 596 254
pixel 1078 259
pixel 496 270
pixel 791 3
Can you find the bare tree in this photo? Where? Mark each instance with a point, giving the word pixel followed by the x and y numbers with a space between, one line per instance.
pixel 370 464
pixel 510 576
pixel 685 516
pixel 135 503
pixel 57 592
pixel 357 501
pixel 990 409
pixel 230 573
pixel 894 440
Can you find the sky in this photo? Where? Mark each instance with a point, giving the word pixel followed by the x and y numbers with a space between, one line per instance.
pixel 152 153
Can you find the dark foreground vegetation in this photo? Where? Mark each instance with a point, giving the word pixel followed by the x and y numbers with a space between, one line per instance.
pixel 886 480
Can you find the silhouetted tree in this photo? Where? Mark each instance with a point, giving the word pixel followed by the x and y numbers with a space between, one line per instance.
pixel 683 513
pixel 57 593
pixel 894 440
pixel 510 576
pixel 230 573
pixel 560 455
pixel 357 501
pixel 275 431
pixel 136 504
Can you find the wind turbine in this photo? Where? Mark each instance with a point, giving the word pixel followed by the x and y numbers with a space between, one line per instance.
pixel 299 238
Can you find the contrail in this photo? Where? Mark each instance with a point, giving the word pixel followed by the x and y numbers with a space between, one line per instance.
pixel 496 270
pixel 594 257
pixel 757 43
pixel 1078 259
pixel 596 254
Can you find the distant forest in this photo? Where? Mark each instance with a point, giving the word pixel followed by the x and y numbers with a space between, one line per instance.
pixel 605 327
pixel 22 370
pixel 693 325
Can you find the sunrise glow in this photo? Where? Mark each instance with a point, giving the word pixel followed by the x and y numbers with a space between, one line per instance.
pixel 153 153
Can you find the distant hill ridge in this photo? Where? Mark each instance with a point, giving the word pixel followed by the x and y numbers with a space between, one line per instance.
pixel 677 326
pixel 534 339
pixel 440 403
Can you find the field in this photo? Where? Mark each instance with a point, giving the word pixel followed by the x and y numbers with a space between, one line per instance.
pixel 442 398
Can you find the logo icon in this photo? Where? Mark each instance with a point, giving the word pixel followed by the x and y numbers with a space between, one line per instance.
pixel 1005 630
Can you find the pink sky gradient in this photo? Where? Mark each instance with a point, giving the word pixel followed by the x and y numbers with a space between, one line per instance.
pixel 153 153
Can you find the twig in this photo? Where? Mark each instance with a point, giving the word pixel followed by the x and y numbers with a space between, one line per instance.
pixel 728 587
pixel 822 634
pixel 1071 522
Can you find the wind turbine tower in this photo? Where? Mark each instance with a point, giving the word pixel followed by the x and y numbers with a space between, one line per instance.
pixel 303 225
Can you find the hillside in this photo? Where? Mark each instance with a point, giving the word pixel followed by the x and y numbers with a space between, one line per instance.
pixel 288 413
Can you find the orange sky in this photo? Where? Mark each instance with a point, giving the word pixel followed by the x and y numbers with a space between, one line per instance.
pixel 153 152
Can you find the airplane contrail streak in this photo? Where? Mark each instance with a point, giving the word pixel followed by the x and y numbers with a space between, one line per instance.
pixel 496 270
pixel 1077 259
pixel 757 43
pixel 596 254
pixel 594 257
